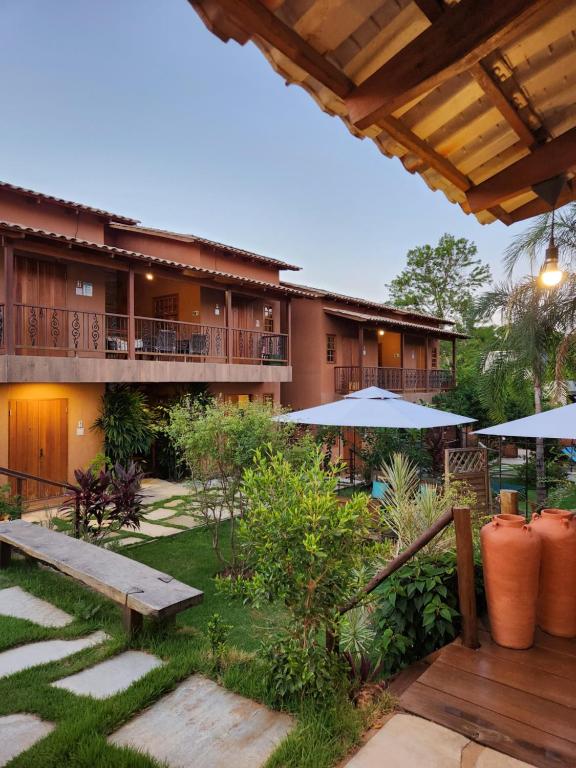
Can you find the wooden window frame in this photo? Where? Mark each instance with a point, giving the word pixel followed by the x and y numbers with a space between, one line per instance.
pixel 173 298
pixel 268 318
pixel 331 348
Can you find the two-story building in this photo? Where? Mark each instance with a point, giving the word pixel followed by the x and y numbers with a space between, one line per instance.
pixel 345 344
pixel 91 298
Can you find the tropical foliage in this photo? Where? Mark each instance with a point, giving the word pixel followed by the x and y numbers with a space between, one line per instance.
pixel 126 422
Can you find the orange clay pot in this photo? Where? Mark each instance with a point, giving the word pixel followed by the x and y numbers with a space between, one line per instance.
pixel 556 613
pixel 511 558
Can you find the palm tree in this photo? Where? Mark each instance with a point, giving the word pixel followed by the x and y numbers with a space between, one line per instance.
pixel 533 345
pixel 531 243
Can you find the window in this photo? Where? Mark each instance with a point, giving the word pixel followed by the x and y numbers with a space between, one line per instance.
pixel 434 358
pixel 268 398
pixel 166 307
pixel 330 348
pixel 268 319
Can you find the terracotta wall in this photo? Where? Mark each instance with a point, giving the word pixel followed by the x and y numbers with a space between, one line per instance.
pixel 257 390
pixel 50 217
pixel 83 405
pixel 188 292
pixel 191 253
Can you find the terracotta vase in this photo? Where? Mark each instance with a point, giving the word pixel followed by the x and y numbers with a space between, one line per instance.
pixel 511 559
pixel 556 613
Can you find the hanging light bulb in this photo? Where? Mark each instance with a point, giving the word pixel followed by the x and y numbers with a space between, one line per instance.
pixel 149 275
pixel 551 274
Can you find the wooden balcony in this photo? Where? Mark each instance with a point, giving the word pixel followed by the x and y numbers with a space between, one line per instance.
pixel 42 343
pixel 58 332
pixel 352 378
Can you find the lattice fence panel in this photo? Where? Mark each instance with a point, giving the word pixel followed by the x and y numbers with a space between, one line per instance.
pixel 470 465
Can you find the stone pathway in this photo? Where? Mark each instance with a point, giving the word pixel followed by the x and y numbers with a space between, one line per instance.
pixel 20 732
pixel 155 489
pixel 20 604
pixel 202 724
pixel 111 676
pixel 406 741
pixel 160 514
pixel 33 654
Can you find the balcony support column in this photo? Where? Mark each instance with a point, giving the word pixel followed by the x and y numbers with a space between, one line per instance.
pixel 360 356
pixel 453 362
pixel 229 326
pixel 289 328
pixel 427 363
pixel 131 319
pixel 403 382
pixel 8 259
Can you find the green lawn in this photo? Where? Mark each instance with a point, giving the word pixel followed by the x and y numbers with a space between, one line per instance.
pixel 323 734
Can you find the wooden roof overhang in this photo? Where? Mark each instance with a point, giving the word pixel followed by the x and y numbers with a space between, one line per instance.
pixel 476 96
pixel 122 258
pixel 400 325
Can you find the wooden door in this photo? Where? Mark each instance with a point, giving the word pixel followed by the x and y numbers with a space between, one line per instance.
pixel 38 443
pixel 41 321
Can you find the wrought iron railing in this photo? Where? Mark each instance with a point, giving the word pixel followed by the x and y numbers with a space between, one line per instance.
pixel 57 330
pixel 352 378
pixel 259 347
pixel 173 339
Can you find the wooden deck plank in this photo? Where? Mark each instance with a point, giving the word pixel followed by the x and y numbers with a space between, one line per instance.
pixel 489 728
pixel 552 662
pixel 558 644
pixel 518 705
pixel 123 580
pixel 520 676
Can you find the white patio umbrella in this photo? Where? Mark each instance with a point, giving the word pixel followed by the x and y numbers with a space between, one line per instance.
pixel 557 423
pixel 375 408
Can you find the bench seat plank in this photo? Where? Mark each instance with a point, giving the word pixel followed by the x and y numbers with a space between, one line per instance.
pixel 128 582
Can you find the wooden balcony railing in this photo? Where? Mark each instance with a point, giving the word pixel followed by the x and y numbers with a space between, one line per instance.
pixel 352 378
pixel 56 331
pixel 1 327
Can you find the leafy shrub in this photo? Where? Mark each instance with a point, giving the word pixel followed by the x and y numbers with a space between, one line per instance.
pixel 380 445
pixel 217 441
pixel 416 609
pixel 108 500
pixel 126 423
pixel 218 632
pixel 10 506
pixel 300 548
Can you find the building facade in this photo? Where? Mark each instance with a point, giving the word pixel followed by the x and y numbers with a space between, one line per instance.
pixel 89 298
pixel 345 343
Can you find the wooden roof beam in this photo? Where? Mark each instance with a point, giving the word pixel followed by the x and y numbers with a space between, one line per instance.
pixel 463 35
pixel 256 19
pixel 546 161
pixel 538 206
pixel 500 101
pixel 432 9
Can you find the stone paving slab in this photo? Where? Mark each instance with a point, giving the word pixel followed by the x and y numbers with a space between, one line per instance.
pixel 407 741
pixel 152 530
pixel 185 521
pixel 175 503
pixel 127 540
pixel 20 732
pixel 111 676
pixel 33 654
pixel 20 604
pixel 203 725
pixel 159 514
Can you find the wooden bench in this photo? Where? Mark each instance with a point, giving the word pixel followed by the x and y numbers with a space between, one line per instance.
pixel 140 590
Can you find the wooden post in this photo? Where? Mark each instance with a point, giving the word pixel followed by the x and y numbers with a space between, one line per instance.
pixel 5 555
pixel 131 620
pixel 289 329
pixel 131 319
pixel 508 502
pixel 465 572
pixel 8 296
pixel 427 365
pixel 229 335
pixel 402 361
pixel 360 356
pixel 453 362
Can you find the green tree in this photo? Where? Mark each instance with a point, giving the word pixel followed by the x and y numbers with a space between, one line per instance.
pixel 531 347
pixel 442 280
pixel 300 547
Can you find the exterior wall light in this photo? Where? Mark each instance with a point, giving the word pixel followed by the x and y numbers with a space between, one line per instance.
pixel 381 332
pixel 149 274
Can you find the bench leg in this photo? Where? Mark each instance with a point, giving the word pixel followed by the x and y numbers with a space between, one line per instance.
pixel 132 621
pixel 5 555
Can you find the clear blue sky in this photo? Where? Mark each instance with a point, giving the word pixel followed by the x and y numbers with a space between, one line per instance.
pixel 133 106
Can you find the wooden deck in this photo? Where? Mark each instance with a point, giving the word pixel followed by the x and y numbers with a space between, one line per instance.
pixel 522 703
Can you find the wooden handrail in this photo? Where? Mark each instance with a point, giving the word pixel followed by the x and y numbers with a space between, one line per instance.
pixel 464 570
pixel 69 487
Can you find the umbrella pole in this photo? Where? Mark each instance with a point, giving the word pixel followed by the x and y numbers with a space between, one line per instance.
pixel 500 466
pixel 526 481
